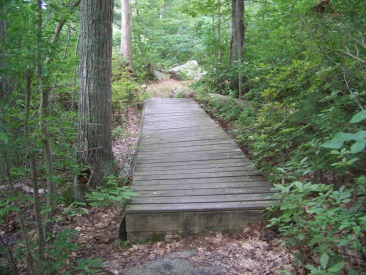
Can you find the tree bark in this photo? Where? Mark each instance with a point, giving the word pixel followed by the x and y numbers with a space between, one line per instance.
pixel 33 169
pixel 240 42
pixel 43 113
pixel 95 111
pixel 126 33
pixel 219 28
pixel 237 27
pixel 4 87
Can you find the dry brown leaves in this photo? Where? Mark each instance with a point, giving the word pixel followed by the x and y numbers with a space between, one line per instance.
pixel 124 144
pixel 250 251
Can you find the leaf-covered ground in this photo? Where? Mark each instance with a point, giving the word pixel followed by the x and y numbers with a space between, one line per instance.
pixel 255 250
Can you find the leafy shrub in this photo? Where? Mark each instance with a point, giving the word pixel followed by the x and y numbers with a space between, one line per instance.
pixel 125 89
pixel 322 222
pixel 110 194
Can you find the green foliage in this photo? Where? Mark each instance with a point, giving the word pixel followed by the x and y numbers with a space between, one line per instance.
pixel 319 219
pixel 110 194
pixel 359 137
pixel 124 87
pixel 89 266
pixel 59 252
pixel 23 54
pixel 162 36
pixel 324 268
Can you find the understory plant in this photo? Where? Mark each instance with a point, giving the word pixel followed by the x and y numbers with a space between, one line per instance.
pixel 326 225
pixel 124 86
pixel 318 176
pixel 111 195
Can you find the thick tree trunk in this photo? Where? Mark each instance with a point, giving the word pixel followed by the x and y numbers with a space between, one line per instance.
pixel 237 37
pixel 126 33
pixel 94 131
pixel 238 28
pixel 239 44
pixel 219 28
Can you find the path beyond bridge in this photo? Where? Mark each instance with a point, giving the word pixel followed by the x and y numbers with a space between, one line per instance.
pixel 190 176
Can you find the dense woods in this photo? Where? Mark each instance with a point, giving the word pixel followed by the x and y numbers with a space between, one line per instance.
pixel 294 79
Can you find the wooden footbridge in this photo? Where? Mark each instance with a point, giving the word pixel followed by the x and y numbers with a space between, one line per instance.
pixel 190 176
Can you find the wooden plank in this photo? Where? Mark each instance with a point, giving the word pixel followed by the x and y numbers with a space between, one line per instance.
pixel 208 206
pixel 165 129
pixel 187 158
pixel 191 156
pixel 174 137
pixel 223 180
pixel 186 144
pixel 220 161
pixel 180 123
pixel 180 149
pixel 149 177
pixel 196 154
pixel 257 185
pixel 181 138
pixel 203 192
pixel 193 170
pixel 200 199
pixel 188 166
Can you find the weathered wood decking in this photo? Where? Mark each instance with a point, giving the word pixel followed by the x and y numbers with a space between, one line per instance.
pixel 190 176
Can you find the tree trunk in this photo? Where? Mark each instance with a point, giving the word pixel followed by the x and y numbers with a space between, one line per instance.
pixel 239 44
pixel 126 33
pixel 137 8
pixel 33 169
pixel 219 28
pixel 4 79
pixel 237 27
pixel 43 113
pixel 95 111
pixel 2 36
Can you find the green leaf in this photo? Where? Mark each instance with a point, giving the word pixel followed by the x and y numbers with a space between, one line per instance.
pixel 301 236
pixel 343 242
pixel 358 117
pixel 332 144
pixel 299 184
pixel 324 260
pixel 338 140
pixel 359 146
pixel 311 267
pixel 4 137
pixel 336 268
